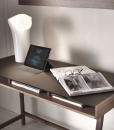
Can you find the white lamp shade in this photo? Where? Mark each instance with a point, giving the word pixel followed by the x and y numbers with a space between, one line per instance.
pixel 20 27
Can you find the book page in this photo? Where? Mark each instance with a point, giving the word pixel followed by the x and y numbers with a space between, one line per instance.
pixel 96 81
pixel 73 84
pixel 87 83
pixel 57 72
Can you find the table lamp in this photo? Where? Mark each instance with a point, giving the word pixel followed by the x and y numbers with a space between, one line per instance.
pixel 20 26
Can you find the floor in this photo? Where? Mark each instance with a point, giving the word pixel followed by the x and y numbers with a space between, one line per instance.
pixel 30 124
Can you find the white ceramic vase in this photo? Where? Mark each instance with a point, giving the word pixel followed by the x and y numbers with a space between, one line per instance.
pixel 20 27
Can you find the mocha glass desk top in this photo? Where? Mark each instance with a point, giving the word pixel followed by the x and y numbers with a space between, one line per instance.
pixel 46 81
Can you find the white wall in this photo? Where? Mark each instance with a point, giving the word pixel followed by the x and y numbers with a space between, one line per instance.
pixel 76 35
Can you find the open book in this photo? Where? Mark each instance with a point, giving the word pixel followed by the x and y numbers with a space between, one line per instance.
pixel 83 81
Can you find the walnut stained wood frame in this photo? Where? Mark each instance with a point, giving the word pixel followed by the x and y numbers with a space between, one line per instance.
pixel 101 4
pixel 99 104
pixel 87 111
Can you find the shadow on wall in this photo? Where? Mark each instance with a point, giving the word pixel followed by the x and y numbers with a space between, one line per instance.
pixel 55 30
pixel 60 34
pixel 83 57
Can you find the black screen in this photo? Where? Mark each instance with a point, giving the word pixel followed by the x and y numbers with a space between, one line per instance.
pixel 37 57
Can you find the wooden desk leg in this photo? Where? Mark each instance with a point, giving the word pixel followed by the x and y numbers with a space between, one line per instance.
pixel 99 125
pixel 22 106
pixel 48 94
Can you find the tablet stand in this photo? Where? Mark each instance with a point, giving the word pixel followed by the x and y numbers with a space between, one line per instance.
pixel 48 66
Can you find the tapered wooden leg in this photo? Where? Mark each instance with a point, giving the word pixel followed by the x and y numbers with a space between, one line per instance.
pixel 99 125
pixel 10 121
pixel 48 94
pixel 22 106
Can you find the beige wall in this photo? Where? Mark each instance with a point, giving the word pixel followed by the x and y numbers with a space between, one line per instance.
pixel 3 47
pixel 79 36
pixel 76 35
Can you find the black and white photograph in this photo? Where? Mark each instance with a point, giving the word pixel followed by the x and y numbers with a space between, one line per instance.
pixel 75 83
pixel 84 83
pixel 72 83
pixel 95 80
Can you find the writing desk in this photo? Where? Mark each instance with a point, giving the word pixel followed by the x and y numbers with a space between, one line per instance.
pixel 97 104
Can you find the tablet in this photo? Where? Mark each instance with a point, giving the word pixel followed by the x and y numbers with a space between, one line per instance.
pixel 37 57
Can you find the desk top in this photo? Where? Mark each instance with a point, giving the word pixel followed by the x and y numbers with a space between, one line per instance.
pixel 47 82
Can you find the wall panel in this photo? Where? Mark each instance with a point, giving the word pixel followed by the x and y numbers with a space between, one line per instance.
pixel 101 4
pixel 3 46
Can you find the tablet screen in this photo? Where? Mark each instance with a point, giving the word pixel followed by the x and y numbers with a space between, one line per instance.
pixel 37 57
